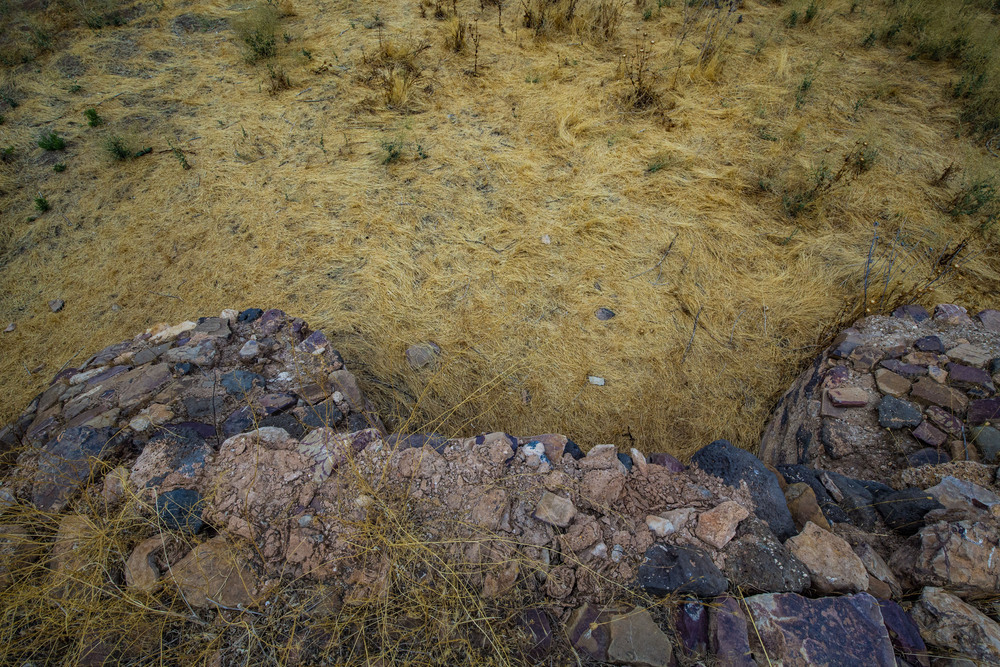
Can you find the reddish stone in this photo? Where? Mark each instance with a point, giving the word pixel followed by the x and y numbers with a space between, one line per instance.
pixel 929 435
pixel 892 383
pixel 946 421
pixel 968 377
pixel 990 320
pixel 849 397
pixel 984 410
pixel 929 392
pixel 949 313
pixel 828 409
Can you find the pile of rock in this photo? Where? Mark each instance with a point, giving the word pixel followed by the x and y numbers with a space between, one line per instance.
pixel 848 544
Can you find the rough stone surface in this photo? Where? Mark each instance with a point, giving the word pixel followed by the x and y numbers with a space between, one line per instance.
pixel 987 440
pixel 180 509
pixel 904 634
pixel 555 510
pixel 64 465
pixel 846 630
pixel 728 633
pixel 833 566
pixel 667 569
pixel 213 573
pixel 637 640
pixel 951 624
pixel 961 556
pixel 718 525
pixel 904 510
pixel 733 466
pixel 757 562
pixel 897 413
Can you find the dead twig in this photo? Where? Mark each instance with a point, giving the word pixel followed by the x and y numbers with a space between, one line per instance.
pixel 657 265
pixel 499 252
pixel 694 329
pixel 169 296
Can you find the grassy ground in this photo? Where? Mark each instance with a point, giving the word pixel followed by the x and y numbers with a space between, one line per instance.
pixel 712 178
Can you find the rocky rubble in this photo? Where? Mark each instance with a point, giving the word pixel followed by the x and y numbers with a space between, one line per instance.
pixel 865 533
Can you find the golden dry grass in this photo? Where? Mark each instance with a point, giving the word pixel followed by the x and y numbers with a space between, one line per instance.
pixel 292 202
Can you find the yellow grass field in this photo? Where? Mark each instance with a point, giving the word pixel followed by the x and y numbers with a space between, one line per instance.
pixel 397 191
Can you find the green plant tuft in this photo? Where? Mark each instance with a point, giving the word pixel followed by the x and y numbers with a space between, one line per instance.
pixel 93 119
pixel 59 168
pixel 42 204
pixel 51 141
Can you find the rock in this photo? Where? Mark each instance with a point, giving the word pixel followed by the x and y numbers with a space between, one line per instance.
pixel 141 571
pixel 213 574
pixel 637 640
pixel 64 465
pixel 668 568
pixel 897 413
pixel 594 380
pixel 55 305
pixel 587 630
pixel 929 344
pixel 422 355
pixel 169 333
pixel 946 421
pixel 990 320
pixel 322 414
pixel 891 383
pixel 949 313
pixel 178 453
pixel 573 450
pixel 849 397
pixel 951 624
pixel 625 460
pixel 10 327
pixel 961 556
pixel 180 509
pixel 691 623
pixel 201 353
pixel 539 627
pixel 240 421
pixel 718 525
pixel 969 377
pixel 115 485
pixel 345 382
pixel 877 569
pixel 838 438
pixel 139 385
pixel 728 637
pixel 928 392
pixel 18 549
pixel 844 630
pixel 904 634
pixel 843 345
pixel 912 311
pixel 928 456
pixel 908 371
pixel 555 510
pixel 757 562
pixel 833 566
pixel 984 411
pixel 72 568
pixel 667 461
pixel 987 439
pixel 250 350
pixel 721 459
pixel 904 510
pixel 249 315
pixel 929 435
pixel 801 500
pixel 239 382
pixel 937 374
pixel 956 493
pixel 971 355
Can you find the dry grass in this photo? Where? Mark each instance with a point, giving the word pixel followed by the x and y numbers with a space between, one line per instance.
pixel 290 203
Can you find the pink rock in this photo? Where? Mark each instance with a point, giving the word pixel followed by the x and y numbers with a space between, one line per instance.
pixel 949 313
pixel 849 397
pixel 928 434
pixel 718 525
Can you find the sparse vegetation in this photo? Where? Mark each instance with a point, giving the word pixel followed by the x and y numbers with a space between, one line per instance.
pixel 59 168
pixel 277 80
pixel 93 119
pixel 41 204
pixel 51 141
pixel 121 148
pixel 257 29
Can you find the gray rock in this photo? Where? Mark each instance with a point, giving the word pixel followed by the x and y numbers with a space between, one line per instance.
pixel 422 355
pixel 896 413
pixel 180 509
pixel 239 382
pixel 987 439
pixel 64 465
pixel 951 624
pixel 55 305
pixel 733 465
pixel 904 510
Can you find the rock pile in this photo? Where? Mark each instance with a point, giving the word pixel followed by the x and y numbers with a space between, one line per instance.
pixel 864 534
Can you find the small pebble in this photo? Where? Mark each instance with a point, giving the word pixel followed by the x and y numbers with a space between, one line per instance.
pixel 10 328
pixel 593 379
pixel 55 305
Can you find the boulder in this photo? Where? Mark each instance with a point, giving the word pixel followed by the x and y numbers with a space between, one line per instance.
pixel 64 465
pixel 733 465
pixel 833 566
pixel 757 562
pixel 904 510
pixel 961 556
pixel 949 623
pixel 904 634
pixel 214 573
pixel 795 630
pixel 669 568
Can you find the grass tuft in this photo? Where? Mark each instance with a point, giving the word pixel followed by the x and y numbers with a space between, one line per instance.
pixel 51 141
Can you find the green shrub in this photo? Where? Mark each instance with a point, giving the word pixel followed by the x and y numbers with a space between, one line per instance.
pixel 41 204
pixel 93 119
pixel 122 148
pixel 59 168
pixel 51 141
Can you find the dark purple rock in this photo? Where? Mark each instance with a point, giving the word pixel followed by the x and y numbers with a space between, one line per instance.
pixel 692 628
pixel 913 311
pixel 315 343
pixel 945 421
pixel 929 344
pixel 990 320
pixel 626 460
pixel 239 382
pixel 202 406
pixel 107 375
pixel 240 421
pixel 896 413
pixel 733 465
pixel 728 636
pixel 587 630
pixel 904 634
pixel 275 403
pixel 66 374
pixel 983 410
pixel 667 461
pixel 929 435
pixel 573 450
pixel 846 630
pixel 180 509
pixel 417 440
pixel 896 351
pixel 604 313
pixel 272 321
pixel 668 568
pixel 539 627
pixel 994 366
pixel 928 456
pixel 284 421
pixel 64 465
pixel 190 429
pixel 322 414
pixel 835 377
pixel 250 315
pixel 909 371
pixel 967 377
pixel 146 355
pixel 757 562
pixel 107 355
pixel 904 511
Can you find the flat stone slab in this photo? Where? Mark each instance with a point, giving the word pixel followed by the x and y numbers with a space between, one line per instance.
pixel 896 413
pixel 984 410
pixel 972 355
pixel 64 465
pixel 668 568
pixel 930 392
pixel 555 510
pixel 846 630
